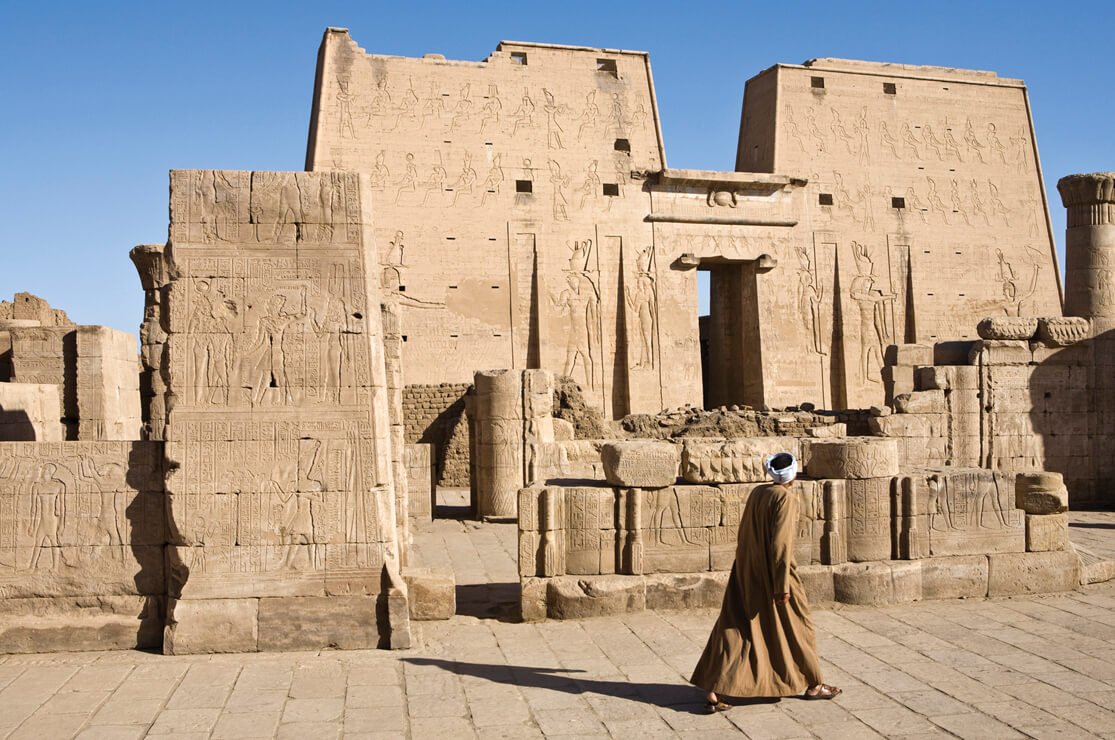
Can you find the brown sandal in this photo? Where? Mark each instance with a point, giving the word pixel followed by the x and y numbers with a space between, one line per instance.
pixel 719 706
pixel 821 691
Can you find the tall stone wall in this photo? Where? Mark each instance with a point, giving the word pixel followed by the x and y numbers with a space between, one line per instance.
pixel 534 161
pixel 925 209
pixel 281 498
pixel 876 204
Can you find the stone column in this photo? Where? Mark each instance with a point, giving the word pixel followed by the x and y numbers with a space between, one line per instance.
pixel 499 445
pixel 1090 293
pixel 1090 246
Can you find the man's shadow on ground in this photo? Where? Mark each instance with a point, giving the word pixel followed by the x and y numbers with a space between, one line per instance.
pixel 678 697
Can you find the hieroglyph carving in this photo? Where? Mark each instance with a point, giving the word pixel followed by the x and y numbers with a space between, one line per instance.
pixel 259 331
pixel 65 506
pixel 216 206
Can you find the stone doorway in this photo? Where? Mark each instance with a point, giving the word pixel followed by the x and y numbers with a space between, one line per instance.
pixel 731 357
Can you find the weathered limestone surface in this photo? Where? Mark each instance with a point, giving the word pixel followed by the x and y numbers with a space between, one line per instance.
pixel 432 593
pixel 644 464
pixel 1033 572
pixel 1041 493
pixel 1007 327
pixel 421 481
pixel 29 413
pixel 1047 532
pixel 731 461
pixel 107 384
pixel 853 457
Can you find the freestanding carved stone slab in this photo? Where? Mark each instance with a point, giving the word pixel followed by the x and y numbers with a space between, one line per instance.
pixel 853 457
pixel 731 461
pixel 278 430
pixel 640 464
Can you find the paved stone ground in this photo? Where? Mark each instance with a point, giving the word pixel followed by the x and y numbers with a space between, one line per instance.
pixel 1038 667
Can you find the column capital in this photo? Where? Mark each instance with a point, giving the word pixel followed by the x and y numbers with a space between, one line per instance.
pixel 1089 199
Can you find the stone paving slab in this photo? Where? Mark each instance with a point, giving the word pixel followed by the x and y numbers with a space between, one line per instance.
pixel 987 668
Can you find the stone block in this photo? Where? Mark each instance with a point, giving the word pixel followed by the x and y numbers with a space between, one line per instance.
pixel 31 412
pixel 921 402
pixel 953 352
pixel 869 506
pixel 1061 331
pixel 398 618
pixel 934 378
pixel 960 577
pixel 1047 532
pixel 900 425
pixel 532 599
pixel 570 597
pixel 1007 327
pixel 1074 355
pixel 908 355
pixel 211 626
pixel 969 511
pixel 432 593
pixel 318 623
pixel 68 623
pixel 877 583
pixel 640 464
pixel 853 457
pixel 685 590
pixel 829 431
pixel 1000 352
pixel 731 461
pixel 818 583
pixel 421 484
pixel 1012 574
pixel 897 379
pixel 1041 493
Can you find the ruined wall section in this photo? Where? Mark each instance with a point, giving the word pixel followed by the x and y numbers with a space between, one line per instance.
pixel 925 209
pixel 435 415
pixel 508 194
pixel 82 530
pixel 281 501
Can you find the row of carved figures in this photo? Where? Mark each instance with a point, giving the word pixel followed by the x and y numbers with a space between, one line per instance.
pixel 439 189
pixel 600 115
pixel 969 201
pixel 830 132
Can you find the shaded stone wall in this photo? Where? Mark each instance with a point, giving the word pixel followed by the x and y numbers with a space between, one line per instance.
pixel 435 415
pixel 82 537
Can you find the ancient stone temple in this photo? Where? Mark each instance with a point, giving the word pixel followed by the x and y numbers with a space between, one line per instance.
pixel 529 220
pixel 487 278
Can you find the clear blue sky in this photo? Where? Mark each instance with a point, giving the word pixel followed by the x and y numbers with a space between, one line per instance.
pixel 100 99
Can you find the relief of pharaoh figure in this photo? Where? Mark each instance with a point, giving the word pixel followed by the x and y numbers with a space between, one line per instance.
pixel 262 363
pixel 874 329
pixel 48 514
pixel 210 339
pixel 580 309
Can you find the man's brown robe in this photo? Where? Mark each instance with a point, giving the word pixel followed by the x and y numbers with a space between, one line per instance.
pixel 758 647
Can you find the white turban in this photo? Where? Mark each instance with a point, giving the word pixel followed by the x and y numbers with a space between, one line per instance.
pixel 783 467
